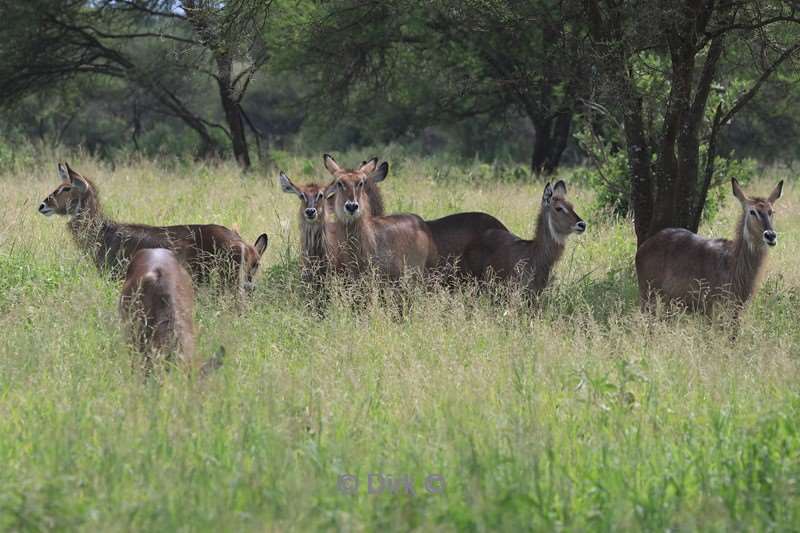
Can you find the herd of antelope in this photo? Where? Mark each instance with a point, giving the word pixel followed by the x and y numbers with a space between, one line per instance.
pixel 345 232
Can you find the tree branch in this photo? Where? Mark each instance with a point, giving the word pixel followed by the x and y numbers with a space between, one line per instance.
pixel 746 97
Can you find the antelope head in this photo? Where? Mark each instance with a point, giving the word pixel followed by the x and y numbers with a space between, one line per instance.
pixel 758 215
pixel 69 196
pixel 560 216
pixel 250 259
pixel 312 199
pixel 349 186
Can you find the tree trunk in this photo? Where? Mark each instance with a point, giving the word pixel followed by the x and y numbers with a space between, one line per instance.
pixel 639 163
pixel 541 146
pixel 680 192
pixel 552 135
pixel 233 113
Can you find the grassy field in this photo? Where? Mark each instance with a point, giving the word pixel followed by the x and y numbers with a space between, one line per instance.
pixel 583 415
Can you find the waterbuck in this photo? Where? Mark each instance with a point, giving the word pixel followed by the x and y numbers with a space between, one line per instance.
pixel 157 303
pixel 455 234
pixel 698 272
pixel 202 247
pixel 366 169
pixel 313 248
pixel 502 255
pixel 392 244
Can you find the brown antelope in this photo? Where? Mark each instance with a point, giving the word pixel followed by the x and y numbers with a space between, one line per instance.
pixel 501 254
pixel 700 272
pixel 202 247
pixel 366 169
pixel 392 244
pixel 313 249
pixel 157 304
pixel 455 234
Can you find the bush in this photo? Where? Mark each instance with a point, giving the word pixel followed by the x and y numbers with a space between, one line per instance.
pixel 609 176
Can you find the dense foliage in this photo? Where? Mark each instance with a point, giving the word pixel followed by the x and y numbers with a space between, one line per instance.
pixel 668 93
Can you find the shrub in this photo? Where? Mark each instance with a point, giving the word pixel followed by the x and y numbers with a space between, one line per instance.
pixel 609 177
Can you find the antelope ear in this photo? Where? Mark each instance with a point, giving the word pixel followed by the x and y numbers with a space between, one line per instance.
pixel 330 164
pixel 737 191
pixel 367 167
pixel 286 184
pixel 330 190
pixel 63 172
pixel 547 194
pixel 79 183
pixel 75 179
pixel 776 193
pixel 380 174
pixel 560 188
pixel 261 244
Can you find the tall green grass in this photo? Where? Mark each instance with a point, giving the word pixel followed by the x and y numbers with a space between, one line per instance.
pixel 581 414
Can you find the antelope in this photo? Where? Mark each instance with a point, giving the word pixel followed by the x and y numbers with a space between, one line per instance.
pixel 157 303
pixel 501 254
pixel 699 272
pixel 455 234
pixel 392 244
pixel 202 247
pixel 362 172
pixel 313 249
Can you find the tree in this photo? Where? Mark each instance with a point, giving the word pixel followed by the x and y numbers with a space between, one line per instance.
pixel 231 32
pixel 154 44
pixel 529 52
pixel 671 67
pixel 452 60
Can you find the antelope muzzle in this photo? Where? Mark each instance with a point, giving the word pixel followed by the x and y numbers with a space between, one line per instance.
pixel 45 209
pixel 351 207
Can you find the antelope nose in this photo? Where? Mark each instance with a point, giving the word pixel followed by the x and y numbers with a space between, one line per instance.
pixel 580 227
pixel 311 213
pixel 42 207
pixel 770 237
pixel 351 207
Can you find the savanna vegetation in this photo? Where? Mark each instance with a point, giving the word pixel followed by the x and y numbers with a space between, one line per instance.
pixel 579 412
pixel 582 414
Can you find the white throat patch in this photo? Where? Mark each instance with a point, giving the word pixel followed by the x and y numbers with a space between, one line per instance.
pixel 555 235
pixel 746 233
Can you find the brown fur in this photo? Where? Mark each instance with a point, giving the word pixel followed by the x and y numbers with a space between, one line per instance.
pixel 312 217
pixel 157 303
pixel 455 234
pixel 202 247
pixel 358 240
pixel 699 272
pixel 371 188
pixel 501 254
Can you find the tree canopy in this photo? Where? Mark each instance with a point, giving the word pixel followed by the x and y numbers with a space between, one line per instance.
pixel 671 89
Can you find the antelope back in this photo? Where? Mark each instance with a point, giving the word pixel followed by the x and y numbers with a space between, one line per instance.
pixel 157 303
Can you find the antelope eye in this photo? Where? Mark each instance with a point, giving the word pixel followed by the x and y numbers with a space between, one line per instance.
pixel 360 183
pixel 560 209
pixel 66 189
pixel 753 212
pixel 771 212
pixel 319 196
pixel 303 196
pixel 340 185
